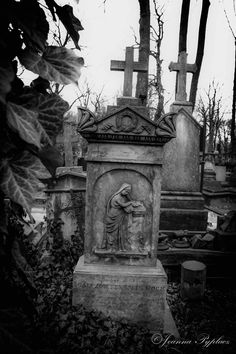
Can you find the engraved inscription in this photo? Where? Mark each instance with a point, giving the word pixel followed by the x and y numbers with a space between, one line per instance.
pixel 120 286
pixel 129 138
pixel 124 298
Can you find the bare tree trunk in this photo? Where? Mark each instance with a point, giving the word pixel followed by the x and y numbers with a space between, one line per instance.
pixel 232 132
pixel 183 29
pixel 200 50
pixel 211 121
pixel 144 49
pixel 157 37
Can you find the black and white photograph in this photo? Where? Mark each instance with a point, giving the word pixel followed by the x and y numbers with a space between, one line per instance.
pixel 118 177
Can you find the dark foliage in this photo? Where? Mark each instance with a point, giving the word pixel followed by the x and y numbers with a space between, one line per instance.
pixel 53 325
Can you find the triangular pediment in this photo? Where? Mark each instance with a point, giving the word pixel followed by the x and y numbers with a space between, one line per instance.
pixel 128 125
pixel 126 120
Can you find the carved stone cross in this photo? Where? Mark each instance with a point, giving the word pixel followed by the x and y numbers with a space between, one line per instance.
pixel 182 69
pixel 128 66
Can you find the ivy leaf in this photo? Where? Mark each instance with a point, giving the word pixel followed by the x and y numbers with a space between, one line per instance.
pixel 57 64
pixel 71 23
pixel 66 16
pixel 6 77
pixel 51 109
pixel 37 118
pixel 24 121
pixel 31 19
pixel 41 85
pixel 20 178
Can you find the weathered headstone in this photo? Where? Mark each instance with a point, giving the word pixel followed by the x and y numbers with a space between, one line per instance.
pixel 182 205
pixel 119 273
pixel 209 168
pixel 66 200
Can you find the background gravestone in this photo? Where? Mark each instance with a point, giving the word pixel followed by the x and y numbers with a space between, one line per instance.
pixel 70 143
pixel 182 204
pixel 66 200
pixel 66 193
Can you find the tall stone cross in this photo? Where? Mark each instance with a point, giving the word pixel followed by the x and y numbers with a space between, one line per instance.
pixel 128 66
pixel 182 69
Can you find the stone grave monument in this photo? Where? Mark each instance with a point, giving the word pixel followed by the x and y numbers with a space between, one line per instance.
pixel 119 273
pixel 66 195
pixel 182 203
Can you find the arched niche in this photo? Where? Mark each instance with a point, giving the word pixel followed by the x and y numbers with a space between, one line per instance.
pixel 106 185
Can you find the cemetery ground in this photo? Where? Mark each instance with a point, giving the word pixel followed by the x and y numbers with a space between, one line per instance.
pixel 37 315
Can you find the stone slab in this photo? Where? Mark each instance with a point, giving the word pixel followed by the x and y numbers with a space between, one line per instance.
pixel 137 294
pixel 182 200
pixel 183 219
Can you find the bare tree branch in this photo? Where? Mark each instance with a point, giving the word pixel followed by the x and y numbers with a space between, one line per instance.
pixel 211 111
pixel 229 24
pixel 184 26
pixel 157 36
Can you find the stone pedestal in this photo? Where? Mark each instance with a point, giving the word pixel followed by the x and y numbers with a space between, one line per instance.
pixel 175 107
pixel 137 294
pixel 129 101
pixel 209 171
pixel 119 274
pixel 182 211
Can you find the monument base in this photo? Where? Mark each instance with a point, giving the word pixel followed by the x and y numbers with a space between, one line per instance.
pixel 182 211
pixel 137 294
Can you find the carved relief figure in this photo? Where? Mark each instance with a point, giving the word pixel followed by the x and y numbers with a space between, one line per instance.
pixel 118 207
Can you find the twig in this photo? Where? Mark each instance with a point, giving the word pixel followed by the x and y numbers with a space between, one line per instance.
pixel 230 27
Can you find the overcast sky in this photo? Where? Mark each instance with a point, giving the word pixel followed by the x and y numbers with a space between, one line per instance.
pixel 109 28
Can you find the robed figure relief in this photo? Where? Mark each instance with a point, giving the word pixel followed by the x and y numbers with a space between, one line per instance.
pixel 119 206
